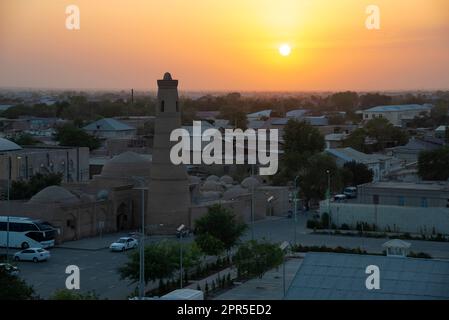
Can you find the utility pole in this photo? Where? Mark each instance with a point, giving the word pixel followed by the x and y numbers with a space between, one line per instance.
pixel 9 208
pixel 296 205
pixel 252 203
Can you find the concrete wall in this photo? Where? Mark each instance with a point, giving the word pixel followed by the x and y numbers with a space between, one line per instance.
pixel 396 218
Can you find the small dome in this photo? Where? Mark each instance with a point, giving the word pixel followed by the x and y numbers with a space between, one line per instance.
pixel 212 186
pixel 7 145
pixel 102 194
pixel 212 178
pixel 54 194
pixel 194 179
pixel 250 182
pixel 210 195
pixel 234 192
pixel 127 165
pixel 167 76
pixel 226 179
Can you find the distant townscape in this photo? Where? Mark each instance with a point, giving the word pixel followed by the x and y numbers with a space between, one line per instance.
pixel 362 180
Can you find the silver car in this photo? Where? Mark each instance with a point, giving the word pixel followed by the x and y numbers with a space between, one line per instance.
pixel 32 254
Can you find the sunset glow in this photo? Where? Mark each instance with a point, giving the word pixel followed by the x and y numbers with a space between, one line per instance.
pixel 226 45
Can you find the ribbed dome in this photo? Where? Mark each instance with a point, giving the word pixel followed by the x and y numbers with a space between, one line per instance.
pixel 250 182
pixel 234 192
pixel 226 179
pixel 127 165
pixel 212 186
pixel 212 178
pixel 7 145
pixel 54 194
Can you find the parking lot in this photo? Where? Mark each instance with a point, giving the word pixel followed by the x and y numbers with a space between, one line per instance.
pixel 99 266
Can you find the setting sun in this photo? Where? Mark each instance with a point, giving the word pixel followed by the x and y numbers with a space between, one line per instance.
pixel 285 50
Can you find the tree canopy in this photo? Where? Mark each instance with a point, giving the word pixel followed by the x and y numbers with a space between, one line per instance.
pixel 254 258
pixel 161 260
pixel 434 165
pixel 218 230
pixel 69 135
pixel 21 189
pixel 14 288
pixel 356 173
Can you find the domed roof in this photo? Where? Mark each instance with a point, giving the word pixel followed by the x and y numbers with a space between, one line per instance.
pixel 250 182
pixel 234 192
pixel 7 145
pixel 212 178
pixel 127 165
pixel 226 179
pixel 212 186
pixel 54 194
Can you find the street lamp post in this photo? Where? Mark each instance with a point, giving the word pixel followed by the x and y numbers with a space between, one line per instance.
pixel 296 205
pixel 283 246
pixel 180 228
pixel 329 198
pixel 252 202
pixel 9 208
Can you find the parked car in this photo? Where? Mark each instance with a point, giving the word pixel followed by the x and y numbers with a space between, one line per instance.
pixel 9 268
pixel 124 243
pixel 32 254
pixel 350 192
pixel 340 197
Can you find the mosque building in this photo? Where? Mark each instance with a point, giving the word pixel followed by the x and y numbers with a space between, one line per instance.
pixel 112 200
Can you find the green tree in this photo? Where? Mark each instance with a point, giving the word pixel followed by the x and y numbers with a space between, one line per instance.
pixel 374 99
pixel 385 133
pixel 14 288
pixel 254 258
pixel 65 294
pixel 313 179
pixel 344 100
pixel 301 141
pixel 356 173
pixel 161 261
pixel 69 135
pixel 25 139
pixel 236 116
pixel 218 230
pixel 26 189
pixel 434 165
pixel 356 140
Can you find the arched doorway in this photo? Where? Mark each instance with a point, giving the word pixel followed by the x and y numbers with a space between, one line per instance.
pixel 122 217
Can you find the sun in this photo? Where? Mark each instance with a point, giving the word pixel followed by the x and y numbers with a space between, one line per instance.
pixel 285 50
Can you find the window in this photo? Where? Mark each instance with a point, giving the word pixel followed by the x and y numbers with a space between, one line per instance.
pixel 376 199
pixel 162 106
pixel 177 106
pixel 401 201
pixel 424 202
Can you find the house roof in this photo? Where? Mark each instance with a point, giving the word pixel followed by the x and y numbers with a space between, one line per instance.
pixel 317 121
pixel 108 124
pixel 403 107
pixel 396 243
pixel 7 145
pixel 258 114
pixel 297 113
pixel 334 276
pixel 416 145
pixel 349 154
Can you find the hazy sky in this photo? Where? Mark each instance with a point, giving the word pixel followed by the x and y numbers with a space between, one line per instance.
pixel 225 44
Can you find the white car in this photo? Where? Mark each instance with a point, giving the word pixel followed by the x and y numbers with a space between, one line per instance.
pixel 124 243
pixel 32 254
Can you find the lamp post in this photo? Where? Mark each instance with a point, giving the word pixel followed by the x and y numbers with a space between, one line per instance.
pixel 284 245
pixel 9 208
pixel 329 198
pixel 296 205
pixel 252 202
pixel 142 188
pixel 180 228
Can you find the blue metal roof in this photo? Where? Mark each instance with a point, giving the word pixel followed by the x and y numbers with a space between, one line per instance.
pixel 342 276
pixel 404 107
pixel 108 124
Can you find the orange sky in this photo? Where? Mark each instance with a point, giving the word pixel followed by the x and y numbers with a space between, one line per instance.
pixel 226 45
